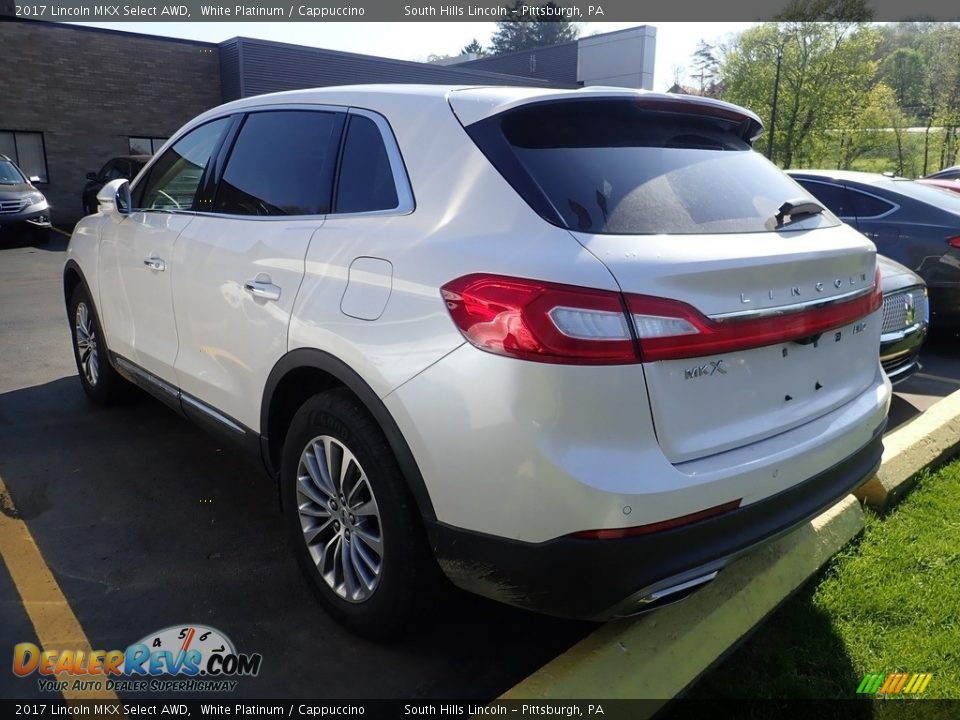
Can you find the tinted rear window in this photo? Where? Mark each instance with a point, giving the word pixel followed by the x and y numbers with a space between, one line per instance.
pixel 366 178
pixel 940 197
pixel 613 167
pixel 868 206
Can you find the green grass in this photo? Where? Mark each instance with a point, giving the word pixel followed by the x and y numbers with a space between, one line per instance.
pixel 888 602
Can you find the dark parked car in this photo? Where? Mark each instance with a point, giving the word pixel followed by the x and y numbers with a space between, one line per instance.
pixel 125 166
pixel 916 225
pixel 22 206
pixel 905 319
pixel 950 173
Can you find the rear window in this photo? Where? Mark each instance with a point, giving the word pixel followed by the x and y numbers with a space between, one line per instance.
pixel 366 178
pixel 943 199
pixel 613 167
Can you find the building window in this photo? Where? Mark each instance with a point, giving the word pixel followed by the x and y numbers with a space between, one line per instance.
pixel 145 145
pixel 27 151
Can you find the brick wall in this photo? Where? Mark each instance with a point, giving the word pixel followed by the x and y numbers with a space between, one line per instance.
pixel 89 91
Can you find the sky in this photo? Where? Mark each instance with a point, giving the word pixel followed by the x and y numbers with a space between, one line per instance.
pixel 676 41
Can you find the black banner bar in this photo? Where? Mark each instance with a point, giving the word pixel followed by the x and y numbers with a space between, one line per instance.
pixel 473 10
pixel 921 709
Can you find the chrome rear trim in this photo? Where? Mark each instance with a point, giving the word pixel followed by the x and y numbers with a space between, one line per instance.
pixel 794 308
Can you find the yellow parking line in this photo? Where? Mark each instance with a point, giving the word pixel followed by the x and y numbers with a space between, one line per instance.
pixel 53 620
pixel 62 232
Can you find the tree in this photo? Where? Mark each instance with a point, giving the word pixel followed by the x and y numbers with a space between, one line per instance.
pixel 941 47
pixel 473 48
pixel 904 71
pixel 523 31
pixel 825 67
pixel 866 130
pixel 826 10
pixel 705 67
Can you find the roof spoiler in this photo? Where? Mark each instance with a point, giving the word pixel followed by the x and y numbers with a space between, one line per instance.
pixel 750 126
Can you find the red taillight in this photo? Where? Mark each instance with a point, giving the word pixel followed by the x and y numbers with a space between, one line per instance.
pixel 954 242
pixel 615 533
pixel 550 322
pixel 540 321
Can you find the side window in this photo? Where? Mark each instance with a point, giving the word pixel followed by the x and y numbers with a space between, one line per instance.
pixel 867 206
pixel 174 178
pixel 366 181
pixel 281 164
pixel 833 196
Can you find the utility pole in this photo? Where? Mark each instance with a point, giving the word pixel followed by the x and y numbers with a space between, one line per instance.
pixel 773 111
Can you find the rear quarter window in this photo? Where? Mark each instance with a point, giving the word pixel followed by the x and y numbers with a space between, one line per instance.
pixel 868 206
pixel 610 166
pixel 365 182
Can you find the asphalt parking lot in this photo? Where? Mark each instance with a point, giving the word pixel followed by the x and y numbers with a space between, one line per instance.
pixel 145 522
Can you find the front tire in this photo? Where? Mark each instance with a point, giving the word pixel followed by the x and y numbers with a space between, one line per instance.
pixel 354 527
pixel 102 384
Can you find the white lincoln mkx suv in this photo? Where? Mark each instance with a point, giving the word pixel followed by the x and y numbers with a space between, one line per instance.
pixel 576 349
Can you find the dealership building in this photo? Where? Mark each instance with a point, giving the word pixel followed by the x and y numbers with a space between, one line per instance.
pixel 77 96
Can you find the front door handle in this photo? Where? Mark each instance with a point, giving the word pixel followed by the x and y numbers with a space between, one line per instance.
pixel 155 263
pixel 262 289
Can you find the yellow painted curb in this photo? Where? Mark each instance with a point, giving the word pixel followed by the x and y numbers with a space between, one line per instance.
pixel 657 655
pixel 929 439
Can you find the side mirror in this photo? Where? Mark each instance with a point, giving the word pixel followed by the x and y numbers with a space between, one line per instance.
pixel 114 197
pixel 34 179
pixel 91 176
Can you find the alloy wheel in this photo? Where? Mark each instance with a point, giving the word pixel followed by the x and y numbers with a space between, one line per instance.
pixel 339 518
pixel 87 348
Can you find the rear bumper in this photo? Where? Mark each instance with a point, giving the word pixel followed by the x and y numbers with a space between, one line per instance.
pixel 601 579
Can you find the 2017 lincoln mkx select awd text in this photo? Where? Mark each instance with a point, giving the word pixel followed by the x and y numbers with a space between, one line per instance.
pixel 575 349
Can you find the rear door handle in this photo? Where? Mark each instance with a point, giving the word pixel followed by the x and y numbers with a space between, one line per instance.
pixel 155 263
pixel 262 289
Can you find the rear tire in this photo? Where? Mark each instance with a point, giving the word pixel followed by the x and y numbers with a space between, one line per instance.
pixel 354 526
pixel 100 381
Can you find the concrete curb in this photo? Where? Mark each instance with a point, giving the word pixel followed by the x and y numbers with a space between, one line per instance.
pixel 926 441
pixel 656 656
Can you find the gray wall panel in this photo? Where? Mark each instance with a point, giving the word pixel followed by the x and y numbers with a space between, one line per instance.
pixel 271 67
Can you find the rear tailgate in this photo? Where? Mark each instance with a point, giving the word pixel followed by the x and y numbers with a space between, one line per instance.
pixel 706 404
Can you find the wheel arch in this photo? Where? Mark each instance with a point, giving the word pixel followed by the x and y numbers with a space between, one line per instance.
pixel 73 277
pixel 302 373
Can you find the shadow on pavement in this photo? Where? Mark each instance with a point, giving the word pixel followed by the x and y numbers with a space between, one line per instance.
pixel 148 523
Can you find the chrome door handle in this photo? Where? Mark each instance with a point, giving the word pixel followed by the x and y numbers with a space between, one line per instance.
pixel 155 263
pixel 262 289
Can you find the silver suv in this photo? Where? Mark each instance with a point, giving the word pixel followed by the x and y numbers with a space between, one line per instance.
pixel 23 208
pixel 575 349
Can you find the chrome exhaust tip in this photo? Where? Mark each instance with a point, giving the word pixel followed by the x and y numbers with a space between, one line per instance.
pixel 666 593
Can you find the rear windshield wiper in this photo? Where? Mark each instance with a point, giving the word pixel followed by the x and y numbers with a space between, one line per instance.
pixel 793 210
